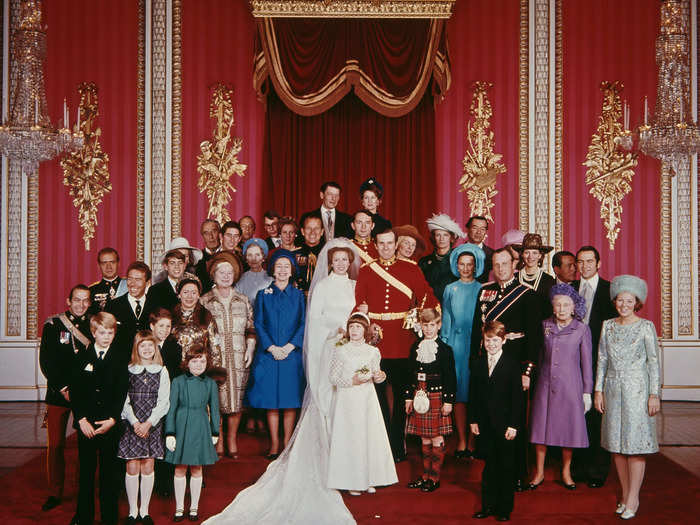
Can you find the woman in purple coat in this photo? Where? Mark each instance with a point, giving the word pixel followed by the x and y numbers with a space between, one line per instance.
pixel 564 385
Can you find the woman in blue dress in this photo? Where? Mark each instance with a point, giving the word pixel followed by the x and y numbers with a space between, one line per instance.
pixel 458 304
pixel 277 375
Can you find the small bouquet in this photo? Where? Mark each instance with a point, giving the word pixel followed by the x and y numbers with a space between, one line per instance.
pixel 364 373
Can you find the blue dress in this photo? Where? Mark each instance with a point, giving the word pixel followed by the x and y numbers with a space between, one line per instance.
pixel 279 319
pixel 458 304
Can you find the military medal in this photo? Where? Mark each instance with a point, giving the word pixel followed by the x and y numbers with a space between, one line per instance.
pixel 64 337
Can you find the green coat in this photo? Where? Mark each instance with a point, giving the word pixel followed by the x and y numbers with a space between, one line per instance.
pixel 189 420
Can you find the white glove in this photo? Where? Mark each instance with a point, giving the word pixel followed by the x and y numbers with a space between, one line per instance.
pixel 215 439
pixel 587 403
pixel 170 443
pixel 276 352
pixel 249 351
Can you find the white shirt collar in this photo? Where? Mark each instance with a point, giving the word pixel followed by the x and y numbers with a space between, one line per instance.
pixel 132 301
pixel 325 210
pixel 152 368
pixel 173 283
pixel 592 282
pixel 492 360
pixel 99 349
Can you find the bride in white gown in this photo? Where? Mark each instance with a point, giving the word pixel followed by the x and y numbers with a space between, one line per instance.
pixel 293 488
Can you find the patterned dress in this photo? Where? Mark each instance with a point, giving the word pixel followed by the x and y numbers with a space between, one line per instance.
pixel 188 332
pixel 147 399
pixel 628 373
pixel 233 316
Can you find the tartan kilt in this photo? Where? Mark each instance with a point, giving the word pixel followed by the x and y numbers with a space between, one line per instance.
pixel 432 423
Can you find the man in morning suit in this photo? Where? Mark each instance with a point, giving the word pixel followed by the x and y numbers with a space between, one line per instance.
pixel 444 232
pixel 111 285
pixel 98 390
pixel 63 336
pixel 387 290
pixel 477 229
pixel 163 293
pixel 335 222
pixel 518 307
pixel 209 230
pixel 132 310
pixel 593 463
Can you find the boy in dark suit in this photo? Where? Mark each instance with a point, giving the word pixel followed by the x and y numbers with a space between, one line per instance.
pixel 98 390
pixel 495 406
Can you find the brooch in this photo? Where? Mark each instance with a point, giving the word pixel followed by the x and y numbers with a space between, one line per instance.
pixel 547 331
pixel 268 291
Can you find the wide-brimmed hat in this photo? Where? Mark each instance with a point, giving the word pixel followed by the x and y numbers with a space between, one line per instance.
pixel 372 184
pixel 512 237
pixel 179 243
pixel 631 284
pixel 409 230
pixel 467 247
pixel 225 257
pixel 281 252
pixel 532 241
pixel 442 221
pixel 258 242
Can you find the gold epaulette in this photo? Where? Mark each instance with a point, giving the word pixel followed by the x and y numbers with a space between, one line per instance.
pixel 95 283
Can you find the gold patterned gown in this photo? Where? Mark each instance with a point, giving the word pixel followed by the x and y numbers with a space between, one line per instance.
pixel 188 332
pixel 233 316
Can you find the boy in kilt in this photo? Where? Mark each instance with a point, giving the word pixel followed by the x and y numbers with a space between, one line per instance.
pixel 429 397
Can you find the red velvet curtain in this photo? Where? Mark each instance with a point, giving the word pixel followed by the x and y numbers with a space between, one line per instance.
pixel 318 130
pixel 350 143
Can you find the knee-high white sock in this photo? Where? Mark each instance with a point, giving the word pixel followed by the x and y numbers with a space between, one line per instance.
pixel 132 493
pixel 146 490
pixel 195 489
pixel 180 492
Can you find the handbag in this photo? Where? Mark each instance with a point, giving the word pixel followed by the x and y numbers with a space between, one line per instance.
pixel 421 402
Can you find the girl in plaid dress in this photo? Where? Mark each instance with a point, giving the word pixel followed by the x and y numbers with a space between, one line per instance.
pixel 147 402
pixel 433 384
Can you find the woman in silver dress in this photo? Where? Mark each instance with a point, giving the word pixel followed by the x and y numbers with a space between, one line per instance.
pixel 627 388
pixel 251 282
pixel 233 315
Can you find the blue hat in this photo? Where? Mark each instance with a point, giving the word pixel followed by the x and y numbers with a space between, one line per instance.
pixel 631 284
pixel 372 184
pixel 568 290
pixel 281 252
pixel 255 240
pixel 467 247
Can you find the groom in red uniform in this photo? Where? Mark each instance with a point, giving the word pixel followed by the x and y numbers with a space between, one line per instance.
pixel 387 290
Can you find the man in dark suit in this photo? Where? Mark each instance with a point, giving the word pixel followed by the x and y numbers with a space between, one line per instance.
pixel 163 293
pixel 517 306
pixel 63 336
pixel 335 222
pixel 495 408
pixel 98 389
pixel 477 228
pixel 272 227
pixel 209 230
pixel 132 309
pixel 592 464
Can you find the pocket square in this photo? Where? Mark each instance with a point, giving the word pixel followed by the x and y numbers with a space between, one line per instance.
pixel 88 368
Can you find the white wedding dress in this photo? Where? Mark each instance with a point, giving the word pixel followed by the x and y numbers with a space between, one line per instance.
pixel 293 489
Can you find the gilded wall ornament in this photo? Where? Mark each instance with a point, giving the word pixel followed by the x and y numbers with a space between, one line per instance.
pixel 352 8
pixel 481 164
pixel 86 171
pixel 219 158
pixel 610 168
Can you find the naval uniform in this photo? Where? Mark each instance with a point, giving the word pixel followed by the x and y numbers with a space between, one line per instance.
pixel 63 336
pixel 517 306
pixel 391 288
pixel 104 291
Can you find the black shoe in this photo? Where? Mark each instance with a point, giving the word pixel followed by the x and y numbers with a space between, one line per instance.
pixel 147 520
pixel 193 517
pixel 596 483
pixel 503 517
pixel 430 486
pixel 519 485
pixel 50 503
pixel 400 458
pixel 177 517
pixel 272 457
pixel 416 483
pixel 464 454
pixel 483 513
pixel 533 486
pixel 131 520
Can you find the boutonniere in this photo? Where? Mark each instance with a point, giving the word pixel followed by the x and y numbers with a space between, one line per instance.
pixel 88 368
pixel 268 291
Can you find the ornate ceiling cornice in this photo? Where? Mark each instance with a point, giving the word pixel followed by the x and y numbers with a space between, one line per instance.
pixel 352 8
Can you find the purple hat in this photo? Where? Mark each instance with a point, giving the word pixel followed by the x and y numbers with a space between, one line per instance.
pixel 568 290
pixel 512 237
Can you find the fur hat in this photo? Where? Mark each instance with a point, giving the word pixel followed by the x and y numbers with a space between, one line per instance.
pixel 631 284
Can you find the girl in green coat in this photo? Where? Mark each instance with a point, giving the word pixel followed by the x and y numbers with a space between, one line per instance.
pixel 192 427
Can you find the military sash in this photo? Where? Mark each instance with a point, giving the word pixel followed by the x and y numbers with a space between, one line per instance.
pixel 366 257
pixel 77 334
pixel 393 281
pixel 494 313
